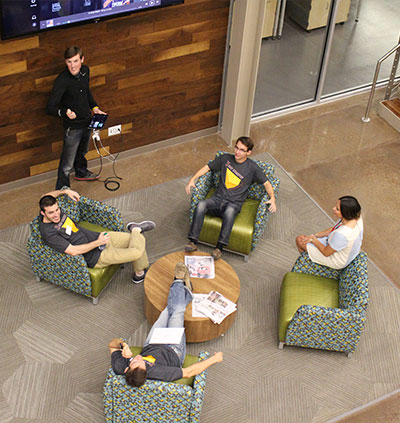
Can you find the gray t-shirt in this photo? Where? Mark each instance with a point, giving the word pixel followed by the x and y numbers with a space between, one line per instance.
pixel 166 365
pixel 60 235
pixel 236 178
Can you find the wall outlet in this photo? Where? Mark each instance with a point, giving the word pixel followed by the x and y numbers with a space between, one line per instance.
pixel 114 130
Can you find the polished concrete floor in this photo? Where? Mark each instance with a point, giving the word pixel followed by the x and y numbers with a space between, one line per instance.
pixel 289 68
pixel 326 149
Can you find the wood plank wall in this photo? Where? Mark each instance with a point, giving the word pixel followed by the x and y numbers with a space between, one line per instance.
pixel 158 73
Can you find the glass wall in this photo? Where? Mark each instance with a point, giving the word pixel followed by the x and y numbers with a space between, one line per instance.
pixel 358 45
pixel 290 62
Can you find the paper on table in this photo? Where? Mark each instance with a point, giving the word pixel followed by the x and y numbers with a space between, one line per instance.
pixel 197 299
pixel 167 336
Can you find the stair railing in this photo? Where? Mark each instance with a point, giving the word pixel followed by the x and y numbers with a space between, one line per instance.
pixel 389 88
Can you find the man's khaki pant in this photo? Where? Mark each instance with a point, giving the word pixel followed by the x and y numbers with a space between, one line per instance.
pixel 125 247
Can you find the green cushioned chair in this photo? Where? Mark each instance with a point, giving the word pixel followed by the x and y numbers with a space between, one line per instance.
pixel 249 223
pixel 68 271
pixel 155 401
pixel 324 308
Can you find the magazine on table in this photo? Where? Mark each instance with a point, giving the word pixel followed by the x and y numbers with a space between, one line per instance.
pixel 200 266
pixel 197 299
pixel 216 307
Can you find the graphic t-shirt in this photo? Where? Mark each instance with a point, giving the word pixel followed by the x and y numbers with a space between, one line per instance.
pixel 66 232
pixel 236 178
pixel 162 363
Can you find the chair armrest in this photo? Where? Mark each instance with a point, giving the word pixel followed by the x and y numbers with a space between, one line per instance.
pixel 99 213
pixel 199 385
pixel 304 264
pixel 200 190
pixel 325 328
pixel 62 269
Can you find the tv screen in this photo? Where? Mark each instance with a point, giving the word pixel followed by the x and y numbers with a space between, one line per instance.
pixel 22 17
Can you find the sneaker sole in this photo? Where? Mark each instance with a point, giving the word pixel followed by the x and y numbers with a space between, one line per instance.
pixel 86 179
pixel 140 223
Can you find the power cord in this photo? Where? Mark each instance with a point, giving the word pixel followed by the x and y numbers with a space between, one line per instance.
pixel 110 183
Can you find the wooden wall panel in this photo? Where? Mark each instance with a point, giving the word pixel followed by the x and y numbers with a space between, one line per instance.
pixel 158 73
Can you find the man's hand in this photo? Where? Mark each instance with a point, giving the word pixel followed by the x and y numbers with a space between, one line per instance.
pixel 126 351
pixel 73 195
pixel 272 205
pixel 70 114
pixel 104 238
pixel 190 185
pixel 218 357
pixel 97 111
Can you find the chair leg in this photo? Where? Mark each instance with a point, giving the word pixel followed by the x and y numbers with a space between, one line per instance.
pixel 37 278
pixel 95 300
pixel 246 258
pixel 281 345
pixel 349 354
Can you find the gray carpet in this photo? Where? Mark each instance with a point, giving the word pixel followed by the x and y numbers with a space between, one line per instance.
pixel 54 354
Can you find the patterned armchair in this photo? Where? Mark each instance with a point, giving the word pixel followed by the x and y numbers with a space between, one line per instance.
pixel 71 272
pixel 155 401
pixel 249 223
pixel 324 308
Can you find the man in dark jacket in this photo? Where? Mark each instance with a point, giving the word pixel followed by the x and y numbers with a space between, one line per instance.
pixel 72 100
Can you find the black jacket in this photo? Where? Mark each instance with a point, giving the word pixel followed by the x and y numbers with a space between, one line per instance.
pixel 72 92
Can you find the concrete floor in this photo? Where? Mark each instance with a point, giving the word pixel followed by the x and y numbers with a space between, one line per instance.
pixel 327 149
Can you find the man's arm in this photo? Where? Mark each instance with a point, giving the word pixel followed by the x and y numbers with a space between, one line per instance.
pixel 200 366
pixel 71 194
pixel 74 250
pixel 192 181
pixel 56 95
pixel 114 345
pixel 270 191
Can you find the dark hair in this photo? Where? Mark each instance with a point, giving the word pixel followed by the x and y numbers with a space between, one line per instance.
pixel 47 201
pixel 349 207
pixel 247 141
pixel 136 377
pixel 73 51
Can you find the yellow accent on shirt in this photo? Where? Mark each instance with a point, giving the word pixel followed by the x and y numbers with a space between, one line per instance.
pixel 71 224
pixel 149 358
pixel 231 180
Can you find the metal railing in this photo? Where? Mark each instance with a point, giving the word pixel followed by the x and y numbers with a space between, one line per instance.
pixel 389 88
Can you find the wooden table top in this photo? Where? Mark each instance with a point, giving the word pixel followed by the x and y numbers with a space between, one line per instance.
pixel 161 274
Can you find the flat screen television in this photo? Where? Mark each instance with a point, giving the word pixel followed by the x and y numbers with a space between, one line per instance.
pixel 23 17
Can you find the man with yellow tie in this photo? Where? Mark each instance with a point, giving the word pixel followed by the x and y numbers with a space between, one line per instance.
pixel 237 174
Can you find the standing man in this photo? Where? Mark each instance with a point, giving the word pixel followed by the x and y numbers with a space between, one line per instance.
pixel 237 174
pixel 161 361
pixel 72 100
pixel 100 250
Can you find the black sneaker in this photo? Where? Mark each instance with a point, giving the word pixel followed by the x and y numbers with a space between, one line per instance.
pixel 139 279
pixel 88 176
pixel 146 225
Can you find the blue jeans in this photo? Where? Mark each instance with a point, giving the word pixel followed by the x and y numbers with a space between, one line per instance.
pixel 173 316
pixel 216 207
pixel 75 147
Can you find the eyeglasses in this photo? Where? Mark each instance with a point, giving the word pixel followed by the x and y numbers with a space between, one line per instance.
pixel 241 149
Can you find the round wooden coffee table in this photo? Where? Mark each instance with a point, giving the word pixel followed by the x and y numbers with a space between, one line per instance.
pixel 156 287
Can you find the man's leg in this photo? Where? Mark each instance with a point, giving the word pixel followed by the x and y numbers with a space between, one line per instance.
pixel 70 147
pixel 228 214
pixel 211 205
pixel 80 163
pixel 124 248
pixel 178 298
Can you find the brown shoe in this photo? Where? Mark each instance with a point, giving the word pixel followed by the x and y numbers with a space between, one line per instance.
pixel 182 273
pixel 191 247
pixel 216 254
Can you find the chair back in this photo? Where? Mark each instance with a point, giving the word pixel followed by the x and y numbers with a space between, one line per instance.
pixel 353 285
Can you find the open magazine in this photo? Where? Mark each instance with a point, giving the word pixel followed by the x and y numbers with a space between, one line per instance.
pixel 213 305
pixel 200 266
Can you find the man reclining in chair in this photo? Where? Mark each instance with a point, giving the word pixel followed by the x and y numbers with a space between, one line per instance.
pixel 161 361
pixel 237 174
pixel 100 250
